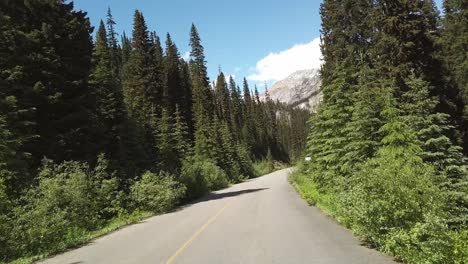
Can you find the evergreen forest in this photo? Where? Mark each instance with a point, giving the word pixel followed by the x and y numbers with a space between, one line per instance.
pixel 388 145
pixel 96 132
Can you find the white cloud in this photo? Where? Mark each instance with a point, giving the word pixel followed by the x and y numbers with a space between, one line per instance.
pixel 277 66
pixel 237 69
pixel 186 55
pixel 226 76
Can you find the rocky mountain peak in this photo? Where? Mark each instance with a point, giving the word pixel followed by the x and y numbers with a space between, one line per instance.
pixel 301 88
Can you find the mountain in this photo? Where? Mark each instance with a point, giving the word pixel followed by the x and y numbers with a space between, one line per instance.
pixel 301 88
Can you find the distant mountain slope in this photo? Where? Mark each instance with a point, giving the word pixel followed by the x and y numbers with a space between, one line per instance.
pixel 301 88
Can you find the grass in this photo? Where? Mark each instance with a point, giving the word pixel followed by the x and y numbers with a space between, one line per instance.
pixel 86 236
pixel 308 190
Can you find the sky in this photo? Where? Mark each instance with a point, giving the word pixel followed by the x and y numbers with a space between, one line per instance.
pixel 262 40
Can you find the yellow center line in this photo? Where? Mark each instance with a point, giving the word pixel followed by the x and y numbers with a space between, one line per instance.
pixel 194 236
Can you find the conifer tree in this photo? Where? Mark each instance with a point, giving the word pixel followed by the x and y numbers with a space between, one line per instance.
pixel 126 49
pixel 174 89
pixel 165 143
pixel 248 126
pixel 181 136
pixel 186 106
pixel 404 43
pixel 236 109
pixel 109 107
pixel 450 164
pixel 345 37
pixel 114 48
pixel 453 39
pixel 203 104
pixel 54 102
pixel 143 81
pixel 223 101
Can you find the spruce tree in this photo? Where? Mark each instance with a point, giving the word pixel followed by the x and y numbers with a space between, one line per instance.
pixel 203 100
pixel 174 90
pixel 248 126
pixel 404 43
pixel 451 166
pixel 143 81
pixel 109 107
pixel 54 102
pixel 114 48
pixel 126 49
pixel 181 136
pixel 453 39
pixel 223 102
pixel 165 144
pixel 186 106
pixel 236 109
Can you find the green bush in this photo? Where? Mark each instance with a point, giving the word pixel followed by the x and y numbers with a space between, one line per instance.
pixel 64 200
pixel 215 177
pixel 109 198
pixel 460 245
pixel 262 167
pixel 156 193
pixel 396 206
pixel 201 176
pixel 4 223
pixel 69 200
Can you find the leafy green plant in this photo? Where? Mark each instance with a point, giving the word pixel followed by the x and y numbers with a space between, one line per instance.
pixel 460 245
pixel 201 175
pixel 156 193
pixel 63 203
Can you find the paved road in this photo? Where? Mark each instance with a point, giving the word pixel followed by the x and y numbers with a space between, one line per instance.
pixel 259 221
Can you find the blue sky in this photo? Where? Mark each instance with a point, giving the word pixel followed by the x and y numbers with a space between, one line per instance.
pixel 263 40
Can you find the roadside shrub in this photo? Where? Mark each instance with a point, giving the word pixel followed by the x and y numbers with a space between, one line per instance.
pixel 4 223
pixel 215 177
pixel 262 167
pixel 64 200
pixel 396 206
pixel 201 176
pixel 108 196
pixel 156 193
pixel 460 245
pixel 309 190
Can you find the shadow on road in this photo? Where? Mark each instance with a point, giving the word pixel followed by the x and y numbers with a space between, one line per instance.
pixel 217 196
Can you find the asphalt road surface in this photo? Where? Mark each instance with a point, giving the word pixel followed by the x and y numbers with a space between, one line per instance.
pixel 259 221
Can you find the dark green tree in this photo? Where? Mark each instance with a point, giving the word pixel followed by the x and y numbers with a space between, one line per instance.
pixel 174 89
pixel 453 39
pixel 203 100
pixel 186 107
pixel 236 109
pixel 109 107
pixel 114 48
pixel 142 83
pixel 166 143
pixel 181 136
pixel 223 101
pixel 44 67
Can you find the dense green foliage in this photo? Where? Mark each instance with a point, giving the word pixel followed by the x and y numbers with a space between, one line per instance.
pixel 93 134
pixel 156 193
pixel 386 144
